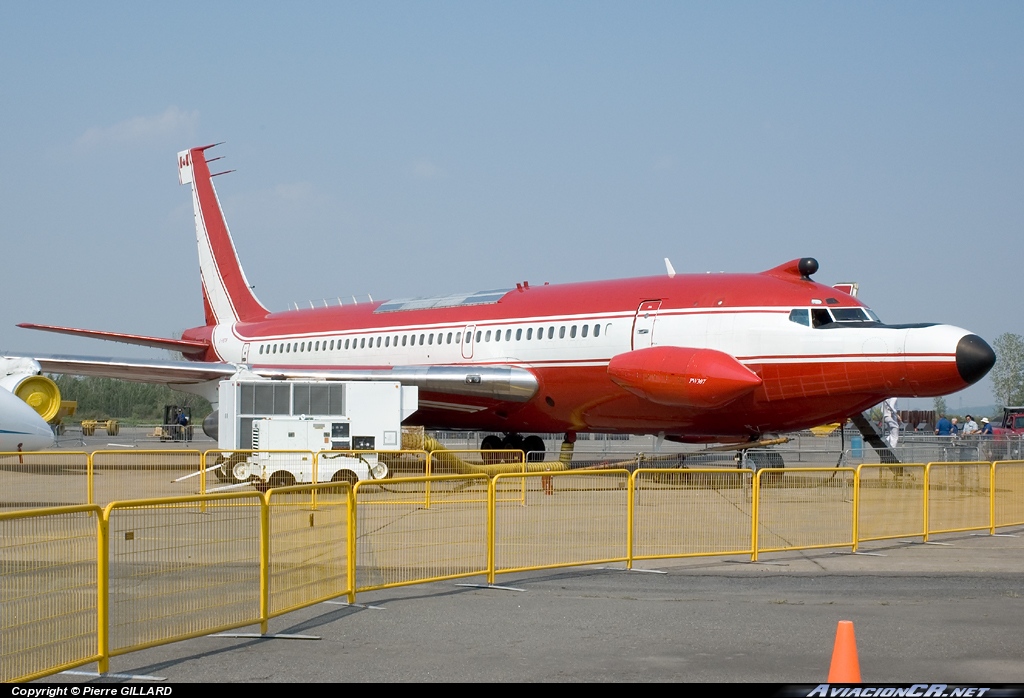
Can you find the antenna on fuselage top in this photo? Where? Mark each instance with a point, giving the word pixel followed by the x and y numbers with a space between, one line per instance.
pixel 670 269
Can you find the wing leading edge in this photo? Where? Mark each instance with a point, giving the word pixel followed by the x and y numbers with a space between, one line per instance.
pixel 503 383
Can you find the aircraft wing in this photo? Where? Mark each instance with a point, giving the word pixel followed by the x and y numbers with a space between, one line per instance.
pixel 502 383
pixel 140 371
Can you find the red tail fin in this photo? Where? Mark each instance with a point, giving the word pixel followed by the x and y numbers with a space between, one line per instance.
pixel 227 295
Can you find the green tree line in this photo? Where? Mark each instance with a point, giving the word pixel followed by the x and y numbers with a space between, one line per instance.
pixel 1008 373
pixel 102 398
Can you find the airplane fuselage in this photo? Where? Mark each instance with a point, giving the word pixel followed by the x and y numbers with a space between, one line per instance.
pixel 566 335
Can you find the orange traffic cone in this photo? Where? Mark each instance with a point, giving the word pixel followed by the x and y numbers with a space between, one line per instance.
pixel 845 665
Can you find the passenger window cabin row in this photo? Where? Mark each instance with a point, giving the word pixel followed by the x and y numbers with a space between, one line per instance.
pixel 431 338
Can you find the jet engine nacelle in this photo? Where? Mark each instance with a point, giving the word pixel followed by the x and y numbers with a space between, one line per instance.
pixel 211 425
pixel 23 378
pixel 682 376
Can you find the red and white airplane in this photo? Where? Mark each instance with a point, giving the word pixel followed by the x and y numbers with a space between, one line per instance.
pixel 698 358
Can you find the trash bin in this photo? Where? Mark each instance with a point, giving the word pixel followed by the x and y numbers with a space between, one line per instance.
pixel 857 446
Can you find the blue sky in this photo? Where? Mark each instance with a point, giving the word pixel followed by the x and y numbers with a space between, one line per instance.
pixel 404 149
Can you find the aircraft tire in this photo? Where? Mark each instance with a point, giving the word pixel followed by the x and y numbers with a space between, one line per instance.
pixel 772 460
pixel 533 444
pixel 767 459
pixel 491 443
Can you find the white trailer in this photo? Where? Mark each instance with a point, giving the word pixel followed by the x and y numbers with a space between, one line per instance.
pixel 347 422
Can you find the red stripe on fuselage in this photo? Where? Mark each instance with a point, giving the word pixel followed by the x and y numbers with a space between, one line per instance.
pixel 720 293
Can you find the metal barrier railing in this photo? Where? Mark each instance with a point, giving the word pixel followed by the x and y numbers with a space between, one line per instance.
pixel 1007 494
pixel 485 462
pixel 308 549
pixel 958 497
pixel 688 513
pixel 119 475
pixel 803 509
pixel 79 584
pixel 466 461
pixel 40 479
pixel 398 540
pixel 568 518
pixel 890 501
pixel 48 591
pixel 180 567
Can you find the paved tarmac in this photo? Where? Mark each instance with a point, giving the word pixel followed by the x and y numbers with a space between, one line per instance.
pixel 949 613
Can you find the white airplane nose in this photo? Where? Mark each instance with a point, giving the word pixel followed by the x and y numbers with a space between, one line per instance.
pixel 942 359
pixel 21 428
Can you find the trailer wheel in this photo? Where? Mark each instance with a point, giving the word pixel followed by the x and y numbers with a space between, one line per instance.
pixel 282 478
pixel 345 476
pixel 225 473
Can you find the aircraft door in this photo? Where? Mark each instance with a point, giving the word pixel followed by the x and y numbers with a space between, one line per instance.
pixel 643 324
pixel 467 341
pixel 245 353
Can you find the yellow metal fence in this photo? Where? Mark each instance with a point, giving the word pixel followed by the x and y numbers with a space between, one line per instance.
pixel 688 513
pixel 1007 494
pixel 959 497
pixel 399 539
pixel 122 475
pixel 43 479
pixel 567 518
pixel 308 545
pixel 890 501
pixel 48 590
pixel 81 584
pixel 803 508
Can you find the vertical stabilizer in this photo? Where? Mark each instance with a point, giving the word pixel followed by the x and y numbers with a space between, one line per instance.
pixel 227 296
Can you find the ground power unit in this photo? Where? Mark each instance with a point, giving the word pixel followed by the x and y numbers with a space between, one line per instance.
pixel 268 429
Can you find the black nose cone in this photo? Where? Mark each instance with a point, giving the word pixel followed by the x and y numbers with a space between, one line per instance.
pixel 974 358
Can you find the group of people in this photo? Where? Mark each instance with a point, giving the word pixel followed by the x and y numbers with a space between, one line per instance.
pixel 944 427
pixel 950 427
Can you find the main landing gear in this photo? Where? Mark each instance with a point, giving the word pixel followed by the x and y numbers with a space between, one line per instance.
pixel 510 442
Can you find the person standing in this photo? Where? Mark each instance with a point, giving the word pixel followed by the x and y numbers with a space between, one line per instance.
pixel 890 422
pixel 943 426
pixel 970 427
pixel 986 427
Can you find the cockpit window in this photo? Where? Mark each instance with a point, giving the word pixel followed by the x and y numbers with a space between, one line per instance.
pixel 820 316
pixel 850 315
pixel 817 317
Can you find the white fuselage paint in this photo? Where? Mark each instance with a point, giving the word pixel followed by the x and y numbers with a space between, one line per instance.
pixel 752 335
pixel 21 428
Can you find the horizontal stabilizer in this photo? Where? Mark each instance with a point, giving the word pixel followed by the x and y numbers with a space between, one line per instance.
pixel 185 346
